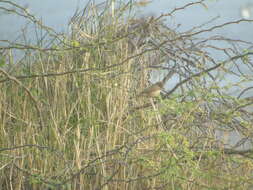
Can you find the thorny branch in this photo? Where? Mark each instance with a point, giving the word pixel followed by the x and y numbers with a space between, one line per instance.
pixel 36 104
pixel 191 61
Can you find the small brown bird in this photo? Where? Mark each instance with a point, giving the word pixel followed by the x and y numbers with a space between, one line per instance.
pixel 153 90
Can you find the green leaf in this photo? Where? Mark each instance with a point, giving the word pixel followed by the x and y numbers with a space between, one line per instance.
pixel 2 61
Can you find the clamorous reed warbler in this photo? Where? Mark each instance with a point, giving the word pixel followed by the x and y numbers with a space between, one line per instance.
pixel 153 90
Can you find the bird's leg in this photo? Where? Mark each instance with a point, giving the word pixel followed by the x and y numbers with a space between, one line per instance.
pixel 158 116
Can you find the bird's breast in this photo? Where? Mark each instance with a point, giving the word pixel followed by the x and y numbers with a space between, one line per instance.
pixel 154 93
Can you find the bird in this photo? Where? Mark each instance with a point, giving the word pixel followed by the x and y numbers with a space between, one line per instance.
pixel 153 90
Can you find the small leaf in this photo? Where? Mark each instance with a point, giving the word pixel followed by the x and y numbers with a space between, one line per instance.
pixel 2 61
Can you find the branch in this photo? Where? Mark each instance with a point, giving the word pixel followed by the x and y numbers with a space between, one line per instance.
pixel 29 94
pixel 206 71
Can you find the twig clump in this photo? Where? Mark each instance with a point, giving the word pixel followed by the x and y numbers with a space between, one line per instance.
pixel 70 117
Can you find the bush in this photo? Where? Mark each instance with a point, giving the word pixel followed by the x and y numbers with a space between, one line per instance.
pixel 70 116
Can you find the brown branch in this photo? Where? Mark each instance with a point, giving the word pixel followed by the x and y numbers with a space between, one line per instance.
pixel 191 77
pixel 202 31
pixel 206 71
pixel 77 70
pixel 23 146
pixel 48 74
pixel 28 16
pixel 29 94
pixel 215 27
pixel 246 89
pixel 179 8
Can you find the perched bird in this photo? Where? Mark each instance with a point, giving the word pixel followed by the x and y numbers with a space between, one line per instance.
pixel 153 90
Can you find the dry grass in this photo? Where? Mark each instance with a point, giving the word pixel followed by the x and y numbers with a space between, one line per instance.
pixel 79 126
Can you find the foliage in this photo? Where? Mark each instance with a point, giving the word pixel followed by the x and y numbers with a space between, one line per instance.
pixel 70 118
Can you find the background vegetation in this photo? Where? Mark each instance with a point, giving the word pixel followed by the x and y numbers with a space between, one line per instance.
pixel 70 119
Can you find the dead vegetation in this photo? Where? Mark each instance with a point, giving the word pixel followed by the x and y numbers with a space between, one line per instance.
pixel 70 119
